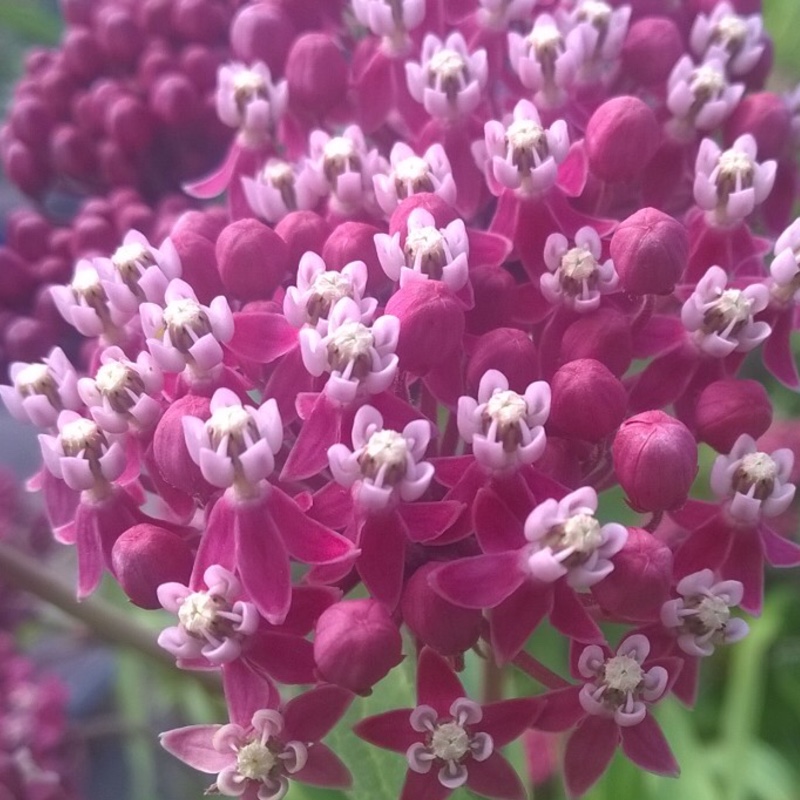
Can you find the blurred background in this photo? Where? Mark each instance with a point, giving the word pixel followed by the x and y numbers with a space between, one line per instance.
pixel 742 742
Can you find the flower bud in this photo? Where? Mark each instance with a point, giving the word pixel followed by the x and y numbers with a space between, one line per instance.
pixel 495 293
pixel 650 250
pixel 604 336
pixel 355 241
pixel 728 408
pixel 767 118
pixel 356 643
pixel 431 325
pixel 208 223
pixel 507 350
pixel 621 137
pixel 302 231
pixel 144 557
pixel 640 581
pixel 588 402
pixel 252 259
pixel 317 75
pixel 448 629
pixel 655 460
pixel 651 48
pixel 262 32
pixel 198 265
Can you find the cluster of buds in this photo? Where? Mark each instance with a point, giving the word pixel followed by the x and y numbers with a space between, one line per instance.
pixel 400 363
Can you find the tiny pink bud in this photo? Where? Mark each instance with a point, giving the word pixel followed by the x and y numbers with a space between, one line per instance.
pixel 303 231
pixel 252 259
pixel 506 350
pixel 640 581
pixel 766 117
pixel 356 643
pixel 728 408
pixel 655 460
pixel 431 325
pixel 650 251
pixel 651 48
pixel 588 402
pixel 621 137
pixel 317 75
pixel 448 629
pixel 604 336
pixel 144 557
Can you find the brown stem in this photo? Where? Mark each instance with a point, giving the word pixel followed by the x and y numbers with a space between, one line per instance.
pixel 654 522
pixel 538 671
pixel 493 678
pixel 25 573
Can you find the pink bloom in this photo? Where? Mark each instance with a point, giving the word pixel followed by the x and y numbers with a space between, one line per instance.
pixel 318 290
pixel 577 278
pixel 522 155
pixel 384 465
pixel 499 14
pixel 358 358
pixel 603 30
pixel 729 184
pixel 428 252
pixel 411 174
pixel 504 427
pixel 721 319
pixel 276 190
pixel 390 19
pixel 448 80
pixel 236 446
pixel 736 39
pixel 185 333
pixel 40 392
pixel 701 616
pixel 756 483
pixel 211 623
pixel 123 394
pixel 785 269
pixel 449 740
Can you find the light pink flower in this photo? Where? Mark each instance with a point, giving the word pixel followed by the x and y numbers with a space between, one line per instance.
pixel 390 19
pixel 736 39
pixel 276 190
pixel 503 427
pixel 248 99
pixel 785 267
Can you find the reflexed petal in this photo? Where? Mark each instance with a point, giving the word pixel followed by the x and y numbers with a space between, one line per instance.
pixel 645 745
pixel 391 730
pixel 506 720
pixel 479 581
pixel 437 685
pixel 513 620
pixel 589 752
pixel 324 768
pixel 193 746
pixel 562 710
pixel 311 715
pixel 495 778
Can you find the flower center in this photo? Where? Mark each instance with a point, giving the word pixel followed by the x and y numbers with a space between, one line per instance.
pixel 735 172
pixel 119 384
pixel 448 72
pixel 186 322
pixel 248 86
pixel 86 287
pixel 622 674
pixel 349 348
pixel 426 246
pixel 581 532
pixel 198 614
pixel 596 12
pixel 449 741
pixel 706 83
pixel 506 409
pixel 339 156
pixel 411 176
pixel 527 144
pixel 130 260
pixel 82 436
pixel 37 379
pixel 280 175
pixel 730 32
pixel 756 470
pixel 255 760
pixel 578 267
pixel 326 290
pixel 713 613
pixel 385 456
pixel 728 314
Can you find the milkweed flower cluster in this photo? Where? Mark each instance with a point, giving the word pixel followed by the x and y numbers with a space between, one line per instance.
pixel 400 361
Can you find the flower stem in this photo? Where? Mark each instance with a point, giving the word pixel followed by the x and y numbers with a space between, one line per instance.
pixel 106 622
pixel 538 671
pixel 493 679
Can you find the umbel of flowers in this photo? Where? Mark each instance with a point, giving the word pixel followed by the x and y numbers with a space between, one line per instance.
pixel 382 389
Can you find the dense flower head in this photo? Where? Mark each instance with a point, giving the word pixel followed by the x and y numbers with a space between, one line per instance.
pixel 444 311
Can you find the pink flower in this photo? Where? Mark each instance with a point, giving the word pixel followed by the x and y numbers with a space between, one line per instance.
pixel 504 427
pixel 738 40
pixel 390 19
pixel 384 465
pixel 277 189
pixel 449 740
pixel 448 80
pixel 757 484
pixel 721 319
pixel 701 616
pixel 784 268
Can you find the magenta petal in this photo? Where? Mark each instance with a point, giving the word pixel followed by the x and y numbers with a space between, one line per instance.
pixel 321 429
pixel 777 351
pixel 694 514
pixel 437 685
pixel 497 528
pixel 262 561
pixel 451 470
pixel 261 336
pixel 570 616
pixel 645 745
pixel 423 787
pixel 282 656
pixel 706 548
pixel 487 249
pixel 745 563
pixel 192 745
pixel 506 720
pixel 60 501
pixel 425 522
pixel 90 551
pixel 246 691
pixel 383 548
pixel 332 506
pixel 218 545
pixel 479 581
pixel 324 768
pixel 779 551
pixel 311 715
pixel 391 730
pixel 308 602
pixel 215 184
pixel 513 621
pixel 562 710
pixel 685 686
pixel 589 751
pixel 495 777
pixel 304 538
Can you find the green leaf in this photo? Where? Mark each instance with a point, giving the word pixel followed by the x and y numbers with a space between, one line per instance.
pixel 29 20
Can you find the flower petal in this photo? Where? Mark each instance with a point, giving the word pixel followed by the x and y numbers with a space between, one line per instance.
pixel 645 745
pixel 192 745
pixel 390 730
pixel 495 778
pixel 589 751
